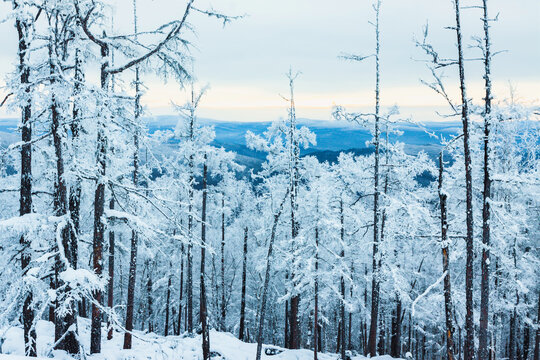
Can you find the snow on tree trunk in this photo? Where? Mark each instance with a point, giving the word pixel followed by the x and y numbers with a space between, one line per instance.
pixel 25 199
pixel 446 265
pixel 110 289
pixel 243 296
pixel 483 351
pixel 202 303
pixel 375 286
pixel 262 309
pixel 469 316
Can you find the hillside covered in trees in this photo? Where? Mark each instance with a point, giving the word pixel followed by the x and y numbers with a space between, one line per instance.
pixel 124 236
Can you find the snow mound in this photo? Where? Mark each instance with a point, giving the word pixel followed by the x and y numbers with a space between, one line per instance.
pixel 223 346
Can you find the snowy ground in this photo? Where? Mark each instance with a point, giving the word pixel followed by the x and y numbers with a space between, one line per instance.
pixel 150 347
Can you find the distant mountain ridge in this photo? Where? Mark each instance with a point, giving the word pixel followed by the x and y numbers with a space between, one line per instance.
pixel 333 137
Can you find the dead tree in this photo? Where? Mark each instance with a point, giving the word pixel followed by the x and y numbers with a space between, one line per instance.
pixel 294 159
pixel 223 304
pixel 446 268
pixel 168 303
pixel 134 236
pixel 262 310
pixel 202 303
pixel 469 317
pixel 537 337
pixel 371 347
pixel 437 86
pixel 342 340
pixel 110 289
pixel 375 285
pixel 483 350
pixel 243 296
pixel 25 199
pixel 316 295
pixel 180 300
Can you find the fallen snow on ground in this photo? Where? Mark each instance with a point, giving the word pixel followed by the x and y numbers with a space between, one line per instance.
pixel 149 346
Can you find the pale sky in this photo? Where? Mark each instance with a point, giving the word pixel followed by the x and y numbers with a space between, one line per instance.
pixel 245 62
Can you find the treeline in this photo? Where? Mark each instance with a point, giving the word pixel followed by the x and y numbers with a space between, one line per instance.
pixel 355 255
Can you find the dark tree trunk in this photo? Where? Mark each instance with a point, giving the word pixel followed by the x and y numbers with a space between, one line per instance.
pixel 244 278
pixel 349 327
pixel 395 346
pixel 180 302
pixel 25 206
pixel 110 290
pixel 483 335
pixel 446 268
pixel 316 333
pixel 537 337
pixel 131 291
pixel 294 326
pixel 65 322
pixel 189 282
pixel 372 342
pixel 75 193
pixel 223 304
pixel 167 304
pixel 262 310
pixel 134 236
pixel 338 340
pixel 382 335
pixel 512 337
pixel 203 311
pixel 469 318
pixel 76 189
pixel 342 340
pixel 150 297
pixel 526 340
pixel 99 210
pixel 286 337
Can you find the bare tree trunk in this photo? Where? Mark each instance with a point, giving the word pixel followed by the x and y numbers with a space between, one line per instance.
pixel 295 336
pixel 189 280
pixel 512 337
pixel 342 285
pixel 110 290
pixel 316 333
pixel 537 337
pixel 134 237
pixel 168 303
pixel 349 328
pixel 526 340
pixel 446 268
pixel 244 278
pixel 189 284
pixel 131 291
pixel 469 318
pixel 150 296
pixel 286 337
pixel 372 342
pixel 483 351
pixel 382 335
pixel 99 207
pixel 75 191
pixel 395 340
pixel 202 312
pixel 65 321
pixel 25 199
pixel 223 305
pixel 262 310
pixel 180 302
